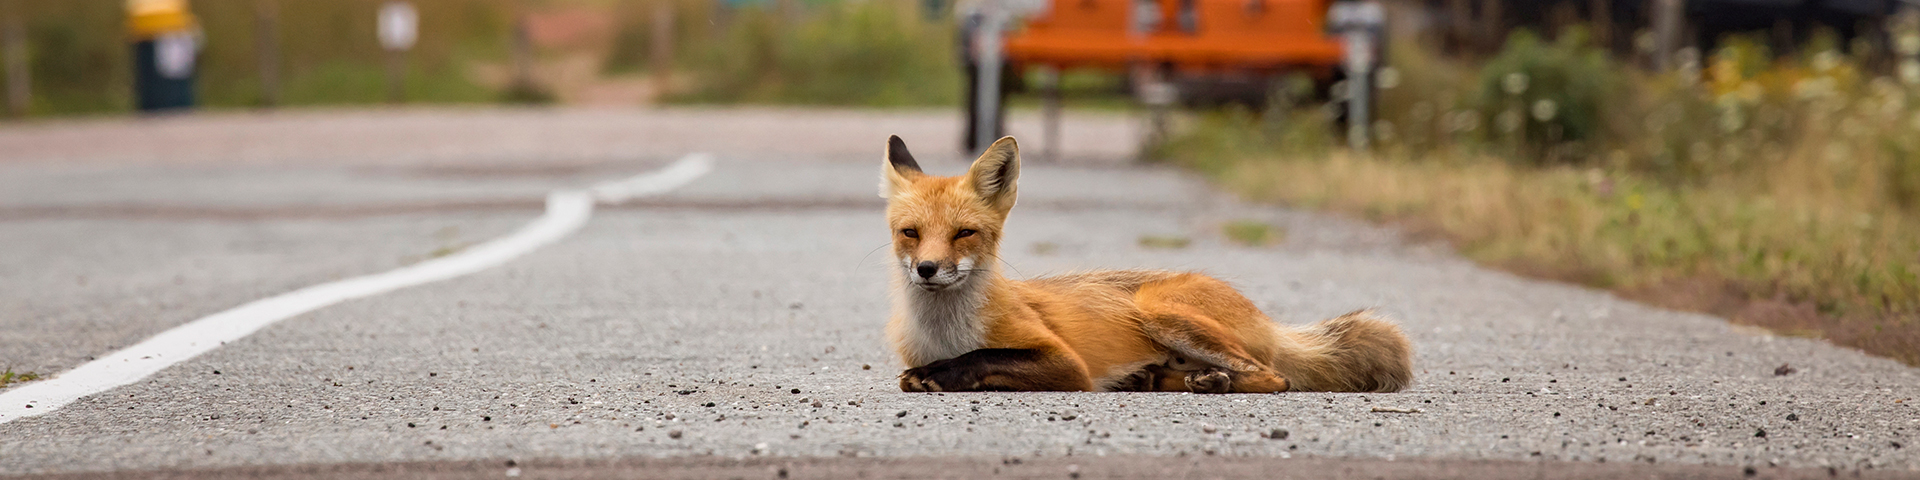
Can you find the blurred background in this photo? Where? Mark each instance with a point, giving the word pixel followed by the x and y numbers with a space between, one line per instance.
pixel 1755 159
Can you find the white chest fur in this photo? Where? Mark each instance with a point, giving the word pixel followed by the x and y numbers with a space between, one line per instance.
pixel 941 325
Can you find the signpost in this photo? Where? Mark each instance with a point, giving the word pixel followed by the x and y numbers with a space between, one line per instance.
pixel 399 29
pixel 166 40
pixel 988 60
pixel 1361 26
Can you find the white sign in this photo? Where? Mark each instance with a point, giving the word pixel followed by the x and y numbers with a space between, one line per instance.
pixel 399 26
pixel 1351 15
pixel 173 55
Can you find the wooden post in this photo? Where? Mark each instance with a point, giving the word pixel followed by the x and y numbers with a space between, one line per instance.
pixel 522 51
pixel 1460 29
pixel 266 44
pixel 1493 26
pixel 1050 114
pixel 661 61
pixel 13 44
pixel 1666 32
pixel 1601 13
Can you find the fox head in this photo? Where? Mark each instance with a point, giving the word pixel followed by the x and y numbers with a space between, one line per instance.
pixel 946 230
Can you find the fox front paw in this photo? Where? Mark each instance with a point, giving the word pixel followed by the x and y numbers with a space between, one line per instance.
pixel 939 376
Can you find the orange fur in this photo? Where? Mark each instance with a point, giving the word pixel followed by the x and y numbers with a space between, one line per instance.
pixel 959 325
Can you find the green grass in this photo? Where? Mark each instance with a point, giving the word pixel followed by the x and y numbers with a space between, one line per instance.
pixel 874 54
pixel 8 377
pixel 1165 242
pixel 1752 195
pixel 1252 233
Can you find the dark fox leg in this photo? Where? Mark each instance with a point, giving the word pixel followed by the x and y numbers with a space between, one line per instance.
pixel 1200 338
pixel 999 369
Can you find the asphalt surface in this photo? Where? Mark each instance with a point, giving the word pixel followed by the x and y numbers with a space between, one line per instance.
pixel 733 326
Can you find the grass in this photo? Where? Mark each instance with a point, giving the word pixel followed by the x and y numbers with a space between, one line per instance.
pixel 1778 195
pixel 1253 234
pixel 874 54
pixel 8 377
pixel 1166 242
pixel 328 53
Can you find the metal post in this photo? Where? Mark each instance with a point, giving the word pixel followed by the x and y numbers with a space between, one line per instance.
pixel 13 44
pixel 1158 93
pixel 396 76
pixel 266 44
pixel 399 29
pixel 1050 114
pixel 1362 25
pixel 986 126
pixel 1359 68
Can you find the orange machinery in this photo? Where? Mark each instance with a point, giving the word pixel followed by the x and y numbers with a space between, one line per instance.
pixel 1187 36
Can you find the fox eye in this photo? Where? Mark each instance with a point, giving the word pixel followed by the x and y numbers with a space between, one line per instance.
pixel 963 234
pixel 910 233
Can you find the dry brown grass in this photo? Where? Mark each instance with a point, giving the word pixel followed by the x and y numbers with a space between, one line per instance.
pixel 1799 264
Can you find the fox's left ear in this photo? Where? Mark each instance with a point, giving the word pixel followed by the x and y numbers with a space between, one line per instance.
pixel 995 175
pixel 899 170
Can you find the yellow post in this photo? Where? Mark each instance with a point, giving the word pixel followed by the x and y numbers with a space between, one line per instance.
pixel 166 46
pixel 147 19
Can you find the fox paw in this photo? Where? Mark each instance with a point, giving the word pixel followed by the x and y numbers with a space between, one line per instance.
pixel 1212 380
pixel 938 376
pixel 1145 380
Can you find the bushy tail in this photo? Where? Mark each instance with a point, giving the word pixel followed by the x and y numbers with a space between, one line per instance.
pixel 1356 352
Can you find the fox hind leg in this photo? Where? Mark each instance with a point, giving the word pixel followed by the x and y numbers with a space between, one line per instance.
pixel 1195 336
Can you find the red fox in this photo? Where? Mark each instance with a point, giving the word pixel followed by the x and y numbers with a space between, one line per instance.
pixel 961 326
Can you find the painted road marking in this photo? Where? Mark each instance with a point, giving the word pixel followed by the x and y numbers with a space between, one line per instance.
pixel 566 212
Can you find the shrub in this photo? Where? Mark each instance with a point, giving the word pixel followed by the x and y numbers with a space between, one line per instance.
pixel 1548 100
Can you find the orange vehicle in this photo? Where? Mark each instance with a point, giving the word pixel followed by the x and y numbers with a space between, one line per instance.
pixel 1188 36
pixel 1208 51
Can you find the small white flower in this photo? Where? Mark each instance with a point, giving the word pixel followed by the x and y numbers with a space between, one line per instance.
pixel 1825 61
pixel 1909 44
pixel 1515 83
pixel 1731 120
pixel 1544 110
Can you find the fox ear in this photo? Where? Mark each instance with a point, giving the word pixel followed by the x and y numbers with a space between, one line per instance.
pixel 995 174
pixel 899 170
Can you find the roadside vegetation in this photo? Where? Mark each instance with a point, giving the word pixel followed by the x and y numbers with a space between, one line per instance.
pixel 814 53
pixel 9 377
pixel 1778 193
pixel 876 54
pixel 329 54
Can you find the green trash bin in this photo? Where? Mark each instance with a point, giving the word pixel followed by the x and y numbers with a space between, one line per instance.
pixel 166 44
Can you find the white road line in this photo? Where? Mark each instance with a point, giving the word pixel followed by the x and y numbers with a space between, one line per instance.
pixel 567 211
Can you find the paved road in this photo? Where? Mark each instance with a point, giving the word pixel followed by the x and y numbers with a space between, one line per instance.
pixel 739 317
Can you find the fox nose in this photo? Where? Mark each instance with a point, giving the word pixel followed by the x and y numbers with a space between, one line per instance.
pixel 926 269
